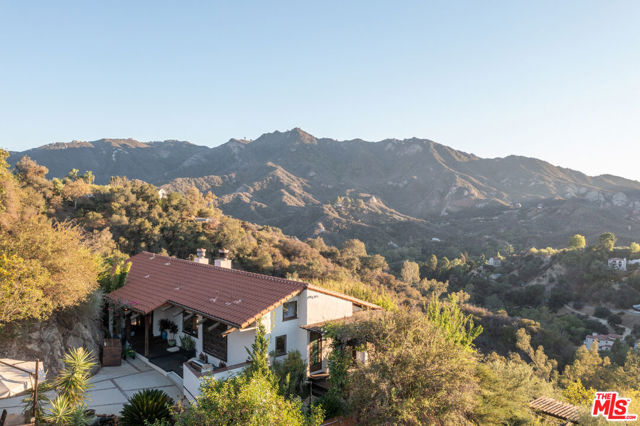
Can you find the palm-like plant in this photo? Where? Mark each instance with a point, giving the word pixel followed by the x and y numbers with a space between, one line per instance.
pixel 68 407
pixel 146 406
pixel 73 380
pixel 60 411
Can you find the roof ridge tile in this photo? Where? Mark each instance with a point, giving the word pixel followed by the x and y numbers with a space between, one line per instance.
pixel 219 268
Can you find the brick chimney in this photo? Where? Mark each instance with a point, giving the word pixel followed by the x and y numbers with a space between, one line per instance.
pixel 222 261
pixel 201 256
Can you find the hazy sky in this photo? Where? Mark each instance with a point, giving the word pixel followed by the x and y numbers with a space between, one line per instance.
pixel 558 80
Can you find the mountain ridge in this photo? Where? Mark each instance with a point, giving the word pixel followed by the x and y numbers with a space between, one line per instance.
pixel 294 180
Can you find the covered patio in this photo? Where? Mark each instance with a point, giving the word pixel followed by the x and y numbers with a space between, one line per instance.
pixel 159 355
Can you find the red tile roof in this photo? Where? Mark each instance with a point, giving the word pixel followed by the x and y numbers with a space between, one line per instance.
pixel 233 296
pixel 602 337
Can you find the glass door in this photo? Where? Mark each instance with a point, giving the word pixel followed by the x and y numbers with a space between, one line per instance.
pixel 315 351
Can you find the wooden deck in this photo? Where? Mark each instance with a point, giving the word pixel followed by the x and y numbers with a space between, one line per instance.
pixel 557 409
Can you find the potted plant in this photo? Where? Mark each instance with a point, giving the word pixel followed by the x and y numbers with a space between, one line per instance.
pixel 128 352
pixel 173 330
pixel 165 324
pixel 188 345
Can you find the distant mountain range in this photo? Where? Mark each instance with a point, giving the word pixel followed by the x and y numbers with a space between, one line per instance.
pixel 391 193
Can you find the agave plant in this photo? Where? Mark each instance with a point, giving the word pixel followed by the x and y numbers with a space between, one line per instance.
pixel 147 406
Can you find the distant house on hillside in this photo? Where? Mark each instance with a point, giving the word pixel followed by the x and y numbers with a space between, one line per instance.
pixel 618 263
pixel 215 311
pixel 202 219
pixel 162 193
pixel 494 261
pixel 633 262
pixel 605 341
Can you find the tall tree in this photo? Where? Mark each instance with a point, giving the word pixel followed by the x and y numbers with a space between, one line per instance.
pixel 588 367
pixel 410 272
pixel 545 367
pixel 432 263
pixel 414 374
pixel 44 266
pixel 577 242
pixel 75 189
pixel 259 353
pixel 22 285
pixel 607 241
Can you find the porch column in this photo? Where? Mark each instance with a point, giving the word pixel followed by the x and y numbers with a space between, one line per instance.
pixel 147 320
pixel 111 331
pixel 127 327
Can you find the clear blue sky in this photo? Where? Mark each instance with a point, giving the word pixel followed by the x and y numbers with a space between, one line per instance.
pixel 558 80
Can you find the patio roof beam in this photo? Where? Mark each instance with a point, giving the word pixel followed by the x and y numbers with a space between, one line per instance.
pixel 229 331
pixel 214 325
pixel 253 327
pixel 204 314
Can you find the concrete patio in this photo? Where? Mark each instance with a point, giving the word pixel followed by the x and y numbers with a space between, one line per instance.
pixel 112 386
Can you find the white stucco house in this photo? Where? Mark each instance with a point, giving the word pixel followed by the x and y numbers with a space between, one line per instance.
pixel 633 262
pixel 218 307
pixel 494 261
pixel 617 263
pixel 605 341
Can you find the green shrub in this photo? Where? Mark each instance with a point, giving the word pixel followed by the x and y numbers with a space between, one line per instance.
pixel 187 343
pixel 246 400
pixel 614 320
pixel 559 296
pixel 602 312
pixel 291 374
pixel 592 325
pixel 146 406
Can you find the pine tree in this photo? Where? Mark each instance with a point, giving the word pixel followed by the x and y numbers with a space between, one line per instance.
pixel 259 353
pixel 432 264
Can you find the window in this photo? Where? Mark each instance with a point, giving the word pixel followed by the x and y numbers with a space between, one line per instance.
pixel 281 345
pixel 190 324
pixel 290 311
pixel 213 342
